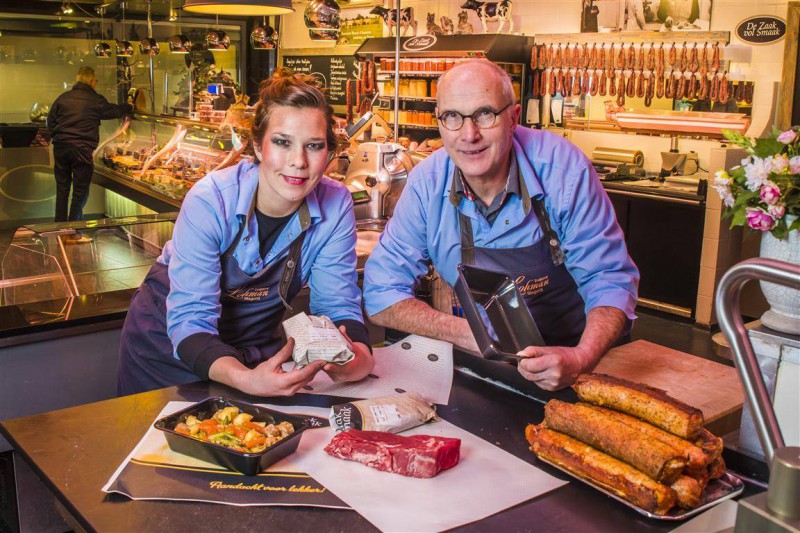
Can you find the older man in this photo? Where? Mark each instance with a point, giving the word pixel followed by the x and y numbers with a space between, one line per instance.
pixel 507 198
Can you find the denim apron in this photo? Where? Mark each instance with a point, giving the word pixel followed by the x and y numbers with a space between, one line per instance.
pixel 252 309
pixel 539 273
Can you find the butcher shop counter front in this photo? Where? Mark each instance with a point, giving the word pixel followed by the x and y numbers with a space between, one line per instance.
pixel 77 464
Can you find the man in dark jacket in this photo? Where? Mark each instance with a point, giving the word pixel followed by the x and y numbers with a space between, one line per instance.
pixel 74 119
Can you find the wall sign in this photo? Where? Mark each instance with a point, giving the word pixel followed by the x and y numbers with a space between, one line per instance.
pixel 421 42
pixel 332 70
pixel 761 30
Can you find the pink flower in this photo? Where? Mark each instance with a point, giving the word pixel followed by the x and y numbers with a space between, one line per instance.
pixel 759 220
pixel 787 137
pixel 770 193
pixel 776 211
pixel 779 163
pixel 794 165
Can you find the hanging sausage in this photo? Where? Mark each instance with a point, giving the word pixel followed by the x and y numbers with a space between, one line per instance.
pixel 660 61
pixel 715 58
pixel 713 93
pixel 659 85
pixel 748 92
pixel 684 61
pixel 691 88
pixel 650 89
pixel 620 64
pixel 534 57
pixel 673 56
pixel 630 88
pixel 630 63
pixel 702 90
pixel 680 90
pixel 694 62
pixel 552 84
pixel 585 56
pixel 577 84
pixel 650 64
pixel 535 86
pixel 610 63
pixel 704 60
pixel 621 91
pixel 612 84
pixel 576 56
pixel 724 89
pixel 585 82
pixel 603 83
pixel 641 58
pixel 669 88
pixel 640 84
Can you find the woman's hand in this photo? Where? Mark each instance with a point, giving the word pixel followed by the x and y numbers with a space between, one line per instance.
pixel 268 378
pixel 357 368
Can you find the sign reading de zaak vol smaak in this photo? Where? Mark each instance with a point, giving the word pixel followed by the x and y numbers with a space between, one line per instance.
pixel 761 30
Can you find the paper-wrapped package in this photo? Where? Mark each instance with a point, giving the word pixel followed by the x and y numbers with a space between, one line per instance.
pixel 391 414
pixel 315 338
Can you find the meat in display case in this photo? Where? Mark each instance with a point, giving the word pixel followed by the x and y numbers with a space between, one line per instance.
pixel 165 156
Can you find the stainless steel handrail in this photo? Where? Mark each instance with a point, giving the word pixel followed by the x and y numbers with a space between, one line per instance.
pixel 730 321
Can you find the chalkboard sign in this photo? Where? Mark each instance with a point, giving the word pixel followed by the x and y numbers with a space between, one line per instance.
pixel 334 71
pixel 761 30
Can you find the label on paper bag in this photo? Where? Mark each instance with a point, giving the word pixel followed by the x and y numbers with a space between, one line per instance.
pixel 391 414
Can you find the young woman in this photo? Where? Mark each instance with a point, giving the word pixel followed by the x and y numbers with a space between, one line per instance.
pixel 247 239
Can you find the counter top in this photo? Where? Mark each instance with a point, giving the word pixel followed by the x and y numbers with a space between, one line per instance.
pixel 79 462
pixel 666 190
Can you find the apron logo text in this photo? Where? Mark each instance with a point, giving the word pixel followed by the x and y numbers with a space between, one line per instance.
pixel 244 294
pixel 531 287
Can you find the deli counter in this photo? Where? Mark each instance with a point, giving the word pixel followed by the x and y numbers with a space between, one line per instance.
pixel 162 157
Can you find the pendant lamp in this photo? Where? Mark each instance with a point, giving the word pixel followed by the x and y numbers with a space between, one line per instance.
pixel 180 44
pixel 124 48
pixel 239 7
pixel 149 47
pixel 102 50
pixel 264 37
pixel 217 41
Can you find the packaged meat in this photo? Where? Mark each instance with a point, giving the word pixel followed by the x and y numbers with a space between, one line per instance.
pixel 391 414
pixel 647 403
pixel 315 338
pixel 421 456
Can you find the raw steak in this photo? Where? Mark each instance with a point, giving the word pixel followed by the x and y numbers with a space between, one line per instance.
pixel 415 456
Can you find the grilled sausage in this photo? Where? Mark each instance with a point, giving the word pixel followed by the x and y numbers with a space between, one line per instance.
pixel 630 89
pixel 688 492
pixel 648 403
pixel 697 459
pixel 656 459
pixel 601 469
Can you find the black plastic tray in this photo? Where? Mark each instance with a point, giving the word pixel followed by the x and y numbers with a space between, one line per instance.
pixel 249 464
pixel 496 312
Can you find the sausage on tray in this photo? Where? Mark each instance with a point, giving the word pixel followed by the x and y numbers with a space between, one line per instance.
pixel 648 403
pixel 600 468
pixel 697 459
pixel 688 492
pixel 656 459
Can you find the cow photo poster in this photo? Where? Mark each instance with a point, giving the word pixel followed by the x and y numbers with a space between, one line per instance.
pixel 650 15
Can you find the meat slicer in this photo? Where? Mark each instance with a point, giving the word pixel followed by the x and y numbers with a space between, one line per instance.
pixel 376 174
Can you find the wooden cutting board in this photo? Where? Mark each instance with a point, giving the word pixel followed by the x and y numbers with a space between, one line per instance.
pixel 713 388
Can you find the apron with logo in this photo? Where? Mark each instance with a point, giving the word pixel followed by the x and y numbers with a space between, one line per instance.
pixel 539 273
pixel 252 308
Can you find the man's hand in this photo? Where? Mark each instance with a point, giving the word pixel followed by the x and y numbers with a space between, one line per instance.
pixel 556 367
pixel 268 378
pixel 553 367
pixel 357 368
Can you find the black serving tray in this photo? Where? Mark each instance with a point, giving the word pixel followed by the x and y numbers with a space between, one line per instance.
pixel 496 312
pixel 249 464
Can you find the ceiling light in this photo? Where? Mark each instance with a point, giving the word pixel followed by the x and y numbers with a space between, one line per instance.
pixel 217 41
pixel 180 44
pixel 149 47
pixel 124 49
pixel 264 38
pixel 102 50
pixel 239 7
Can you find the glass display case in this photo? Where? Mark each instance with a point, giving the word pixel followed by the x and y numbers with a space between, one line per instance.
pixel 165 156
pixel 46 278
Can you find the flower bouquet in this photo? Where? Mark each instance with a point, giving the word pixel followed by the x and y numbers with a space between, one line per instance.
pixel 764 191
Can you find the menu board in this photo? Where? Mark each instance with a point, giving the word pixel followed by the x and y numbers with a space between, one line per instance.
pixel 333 71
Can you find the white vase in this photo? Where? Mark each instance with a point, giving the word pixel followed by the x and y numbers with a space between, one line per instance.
pixel 784 302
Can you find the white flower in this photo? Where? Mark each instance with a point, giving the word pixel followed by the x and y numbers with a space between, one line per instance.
pixel 757 173
pixel 746 161
pixel 722 184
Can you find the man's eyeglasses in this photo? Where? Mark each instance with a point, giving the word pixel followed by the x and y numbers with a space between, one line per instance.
pixel 483 118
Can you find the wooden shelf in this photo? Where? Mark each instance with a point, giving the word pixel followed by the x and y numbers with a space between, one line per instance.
pixel 416 126
pixel 636 37
pixel 428 99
